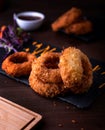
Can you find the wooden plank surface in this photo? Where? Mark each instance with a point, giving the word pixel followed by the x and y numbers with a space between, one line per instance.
pixel 16 117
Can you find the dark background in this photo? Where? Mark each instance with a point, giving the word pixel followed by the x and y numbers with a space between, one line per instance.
pixel 92 9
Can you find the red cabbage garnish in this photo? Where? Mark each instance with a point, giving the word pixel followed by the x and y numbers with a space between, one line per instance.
pixel 12 40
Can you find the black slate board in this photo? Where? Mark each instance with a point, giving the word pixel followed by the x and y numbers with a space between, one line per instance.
pixel 81 100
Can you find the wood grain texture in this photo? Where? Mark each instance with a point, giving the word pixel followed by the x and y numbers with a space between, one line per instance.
pixel 16 117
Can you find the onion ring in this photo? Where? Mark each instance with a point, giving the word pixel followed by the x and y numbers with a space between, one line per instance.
pixel 18 64
pixel 45 89
pixel 46 67
pixel 75 70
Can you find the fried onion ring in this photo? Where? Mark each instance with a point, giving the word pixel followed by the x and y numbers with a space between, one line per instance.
pixel 18 64
pixel 46 67
pixel 75 70
pixel 44 89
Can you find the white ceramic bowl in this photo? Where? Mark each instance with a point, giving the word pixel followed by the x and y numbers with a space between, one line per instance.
pixel 29 20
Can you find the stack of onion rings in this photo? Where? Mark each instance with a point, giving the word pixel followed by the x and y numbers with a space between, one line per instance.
pixel 45 77
pixel 18 64
pixel 56 73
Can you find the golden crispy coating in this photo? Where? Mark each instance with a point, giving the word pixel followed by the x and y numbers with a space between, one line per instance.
pixel 44 88
pixel 59 73
pixel 76 70
pixel 18 64
pixel 46 67
pixel 66 19
pixel 78 28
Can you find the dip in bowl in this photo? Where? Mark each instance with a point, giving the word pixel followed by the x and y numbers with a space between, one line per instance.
pixel 29 20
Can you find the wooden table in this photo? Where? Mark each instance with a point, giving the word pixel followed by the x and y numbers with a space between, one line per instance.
pixel 58 115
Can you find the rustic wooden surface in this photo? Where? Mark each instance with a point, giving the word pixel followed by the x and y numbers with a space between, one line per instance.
pixel 58 115
pixel 16 117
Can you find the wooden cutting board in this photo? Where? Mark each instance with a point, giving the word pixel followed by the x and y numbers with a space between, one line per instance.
pixel 16 117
